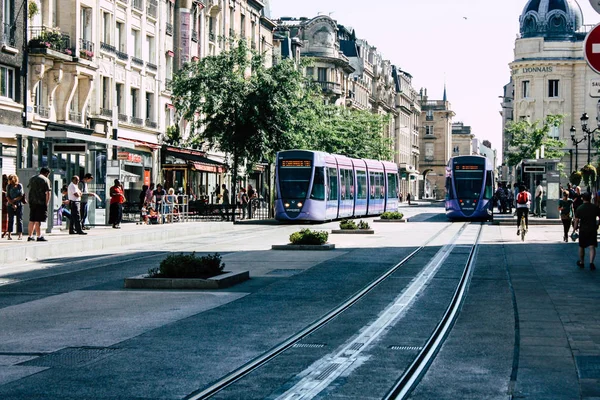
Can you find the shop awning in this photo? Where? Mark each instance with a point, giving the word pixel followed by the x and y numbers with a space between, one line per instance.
pixel 206 167
pixel 195 159
pixel 141 143
pixel 88 138
pixel 127 176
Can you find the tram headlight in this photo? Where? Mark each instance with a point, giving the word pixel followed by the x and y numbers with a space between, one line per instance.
pixel 299 204
pixel 287 205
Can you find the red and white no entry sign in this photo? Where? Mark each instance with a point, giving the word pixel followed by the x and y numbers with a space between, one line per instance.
pixel 591 48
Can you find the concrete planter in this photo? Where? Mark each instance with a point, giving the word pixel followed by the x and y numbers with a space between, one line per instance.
pixel 326 246
pixel 218 282
pixel 392 220
pixel 353 231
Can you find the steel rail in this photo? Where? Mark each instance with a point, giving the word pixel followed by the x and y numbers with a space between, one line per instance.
pixel 277 350
pixel 411 377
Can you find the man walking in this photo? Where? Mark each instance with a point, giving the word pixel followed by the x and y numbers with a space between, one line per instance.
pixel 39 197
pixel 74 195
pixel 539 195
pixel 585 219
pixel 225 203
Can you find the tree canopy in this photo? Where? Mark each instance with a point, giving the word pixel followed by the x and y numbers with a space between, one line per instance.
pixel 528 137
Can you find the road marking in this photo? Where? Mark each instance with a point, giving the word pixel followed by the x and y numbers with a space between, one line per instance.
pixel 323 372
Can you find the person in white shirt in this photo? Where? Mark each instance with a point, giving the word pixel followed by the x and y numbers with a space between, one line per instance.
pixel 539 195
pixel 523 203
pixel 74 195
pixel 85 198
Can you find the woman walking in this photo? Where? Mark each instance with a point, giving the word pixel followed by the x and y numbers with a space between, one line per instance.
pixel 565 206
pixel 14 198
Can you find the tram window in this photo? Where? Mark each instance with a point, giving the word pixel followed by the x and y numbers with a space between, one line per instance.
pixel 361 182
pixel 372 185
pixel 449 191
pixel 469 184
pixel 294 182
pixel 489 185
pixel 318 189
pixel 342 184
pixel 349 177
pixel 392 186
pixel 332 190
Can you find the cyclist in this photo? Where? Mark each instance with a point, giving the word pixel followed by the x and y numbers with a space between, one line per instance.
pixel 523 203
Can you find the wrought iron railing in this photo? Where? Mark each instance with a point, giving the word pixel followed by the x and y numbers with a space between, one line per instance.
pixel 123 118
pixel 151 66
pixel 42 111
pixel 151 8
pixel 106 112
pixel 122 56
pixel 138 4
pixel 136 121
pixel 151 124
pixel 194 35
pixel 169 29
pixel 86 49
pixel 8 34
pixel 330 86
pixel 137 61
pixel 107 47
pixel 46 38
pixel 74 116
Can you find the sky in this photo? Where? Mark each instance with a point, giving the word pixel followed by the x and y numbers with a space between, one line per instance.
pixel 466 44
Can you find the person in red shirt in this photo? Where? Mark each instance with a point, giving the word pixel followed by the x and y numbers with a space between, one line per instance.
pixel 117 198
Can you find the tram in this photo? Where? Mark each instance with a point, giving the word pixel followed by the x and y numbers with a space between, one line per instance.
pixel 318 186
pixel 469 188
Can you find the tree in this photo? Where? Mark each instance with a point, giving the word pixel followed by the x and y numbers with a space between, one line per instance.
pixel 528 137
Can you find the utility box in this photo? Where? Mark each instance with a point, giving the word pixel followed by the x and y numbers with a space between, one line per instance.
pixel 553 195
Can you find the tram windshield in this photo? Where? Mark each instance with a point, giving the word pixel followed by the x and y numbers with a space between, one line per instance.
pixel 468 183
pixel 294 182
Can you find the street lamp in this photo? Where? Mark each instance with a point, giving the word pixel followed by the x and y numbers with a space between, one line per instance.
pixel 590 138
pixel 576 144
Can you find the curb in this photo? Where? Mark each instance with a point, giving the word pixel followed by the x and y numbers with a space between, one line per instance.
pixel 354 231
pixel 391 220
pixel 326 246
pixel 218 282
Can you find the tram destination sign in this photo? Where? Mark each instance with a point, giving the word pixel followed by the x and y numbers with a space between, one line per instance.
pixel 295 163
pixel 465 167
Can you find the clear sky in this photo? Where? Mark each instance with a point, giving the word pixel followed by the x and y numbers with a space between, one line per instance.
pixel 465 43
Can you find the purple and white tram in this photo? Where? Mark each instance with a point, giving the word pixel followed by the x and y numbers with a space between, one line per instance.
pixel 469 188
pixel 317 186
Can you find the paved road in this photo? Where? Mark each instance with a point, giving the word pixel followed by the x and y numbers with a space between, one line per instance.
pixel 70 331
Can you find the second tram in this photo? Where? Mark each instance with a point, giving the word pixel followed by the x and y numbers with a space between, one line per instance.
pixel 469 188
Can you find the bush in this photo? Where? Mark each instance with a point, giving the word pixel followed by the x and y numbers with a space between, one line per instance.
pixel 306 236
pixel 188 266
pixel 392 215
pixel 348 224
pixel 576 178
pixel 363 225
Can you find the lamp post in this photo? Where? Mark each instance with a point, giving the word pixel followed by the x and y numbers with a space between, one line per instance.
pixel 589 133
pixel 576 144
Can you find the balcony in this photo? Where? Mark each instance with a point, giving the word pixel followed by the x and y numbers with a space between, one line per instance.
pixel 122 56
pixel 194 35
pixel 151 8
pixel 169 29
pixel 138 5
pixel 429 118
pixel 86 49
pixel 44 39
pixel 137 61
pixel 75 116
pixel 330 87
pixel 42 111
pixel 151 67
pixel 124 1
pixel 106 112
pixel 136 121
pixel 8 34
pixel 107 47
pixel 151 124
pixel 123 118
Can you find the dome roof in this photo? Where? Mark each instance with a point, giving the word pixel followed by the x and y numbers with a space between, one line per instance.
pixel 552 19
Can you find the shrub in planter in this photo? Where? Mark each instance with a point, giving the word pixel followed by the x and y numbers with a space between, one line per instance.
pixel 392 215
pixel 306 236
pixel 188 266
pixel 363 225
pixel 348 224
pixel 576 178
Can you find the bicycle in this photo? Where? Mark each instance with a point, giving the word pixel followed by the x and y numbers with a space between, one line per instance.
pixel 523 228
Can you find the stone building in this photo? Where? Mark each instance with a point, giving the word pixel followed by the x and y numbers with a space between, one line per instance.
pixel 435 144
pixel 462 140
pixel 549 74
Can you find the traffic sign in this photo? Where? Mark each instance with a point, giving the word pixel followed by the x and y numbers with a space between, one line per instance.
pixel 591 48
pixel 595 5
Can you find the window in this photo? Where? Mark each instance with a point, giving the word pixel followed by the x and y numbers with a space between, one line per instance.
pixel 322 74
pixel 106 27
pixel 231 22
pixel 134 103
pixel 169 67
pixel 120 92
pixel 150 106
pixel 392 186
pixel 243 26
pixel 318 189
pixel 429 116
pixel 310 72
pixel 7 82
pixel 135 38
pixel 332 190
pixel 553 88
pixel 429 129
pixel 429 153
pixel 361 183
pixel 554 132
pixel 86 23
pixel 347 184
pixel 150 49
pixel 525 89
pixel 121 39
pixel 106 93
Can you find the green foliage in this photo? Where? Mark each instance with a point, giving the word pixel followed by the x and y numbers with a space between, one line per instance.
pixel 527 137
pixel 363 225
pixel 188 266
pixel 588 173
pixel 348 224
pixel 576 178
pixel 306 236
pixel 392 215
pixel 32 9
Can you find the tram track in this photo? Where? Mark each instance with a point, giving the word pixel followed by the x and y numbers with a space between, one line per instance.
pixel 335 369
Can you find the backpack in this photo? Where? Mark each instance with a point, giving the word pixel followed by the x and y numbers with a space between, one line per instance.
pixel 522 198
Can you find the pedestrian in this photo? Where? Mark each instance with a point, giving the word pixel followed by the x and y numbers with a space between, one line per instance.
pixel 577 201
pixel 85 198
pixel 586 216
pixel 149 194
pixel 243 201
pixel 14 197
pixel 40 191
pixel 117 198
pixel 408 198
pixel 523 204
pixel 74 194
pixel 565 206
pixel 63 210
pixel 158 196
pixel 170 200
pixel 400 197
pixel 539 195
pixel 225 203
pixel 4 220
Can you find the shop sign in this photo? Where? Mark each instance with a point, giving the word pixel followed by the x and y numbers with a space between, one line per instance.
pixel 595 88
pixel 147 177
pixel 125 156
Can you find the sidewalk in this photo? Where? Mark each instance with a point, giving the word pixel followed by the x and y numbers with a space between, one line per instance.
pixel 60 243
